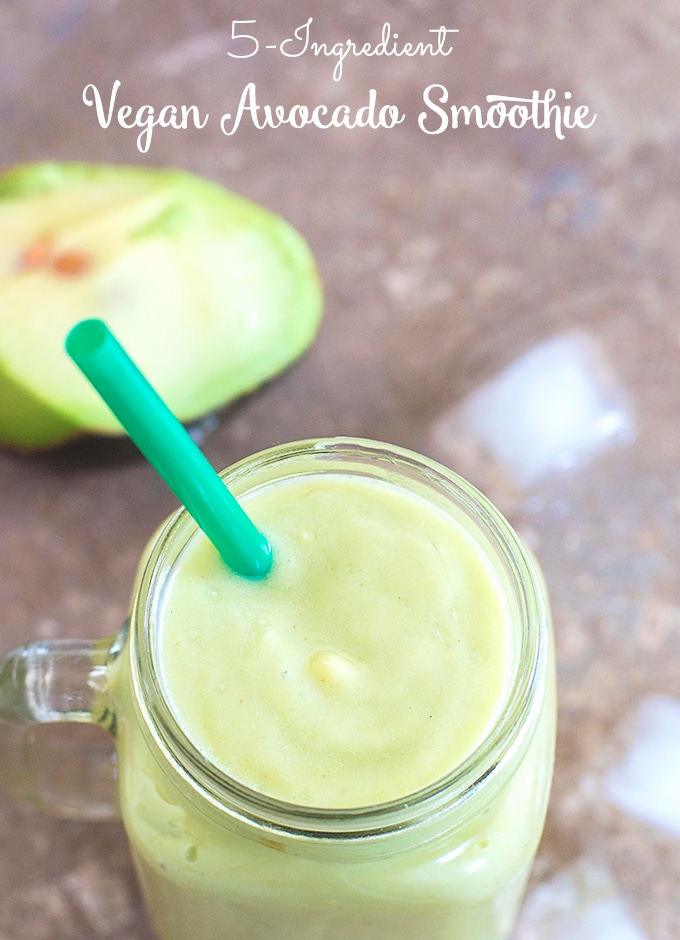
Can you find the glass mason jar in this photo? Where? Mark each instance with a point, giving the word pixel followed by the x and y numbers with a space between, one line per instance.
pixel 216 859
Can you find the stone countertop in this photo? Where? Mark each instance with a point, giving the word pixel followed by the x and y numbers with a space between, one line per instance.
pixel 475 272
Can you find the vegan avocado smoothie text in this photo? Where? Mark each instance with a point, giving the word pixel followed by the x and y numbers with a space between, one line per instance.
pixel 542 110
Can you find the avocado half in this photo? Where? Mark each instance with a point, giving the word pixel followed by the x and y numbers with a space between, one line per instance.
pixel 210 294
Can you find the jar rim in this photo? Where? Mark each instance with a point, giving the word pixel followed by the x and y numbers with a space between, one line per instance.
pixel 473 777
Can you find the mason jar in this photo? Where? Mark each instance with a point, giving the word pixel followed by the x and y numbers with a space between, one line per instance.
pixel 218 859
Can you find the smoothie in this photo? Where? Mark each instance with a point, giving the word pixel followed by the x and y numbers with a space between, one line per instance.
pixel 371 661
pixel 291 775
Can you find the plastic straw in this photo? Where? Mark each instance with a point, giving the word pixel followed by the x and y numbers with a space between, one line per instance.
pixel 167 446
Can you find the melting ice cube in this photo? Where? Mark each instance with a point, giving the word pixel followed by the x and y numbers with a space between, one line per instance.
pixel 581 903
pixel 554 408
pixel 647 782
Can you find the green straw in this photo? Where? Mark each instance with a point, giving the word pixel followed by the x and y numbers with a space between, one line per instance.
pixel 167 446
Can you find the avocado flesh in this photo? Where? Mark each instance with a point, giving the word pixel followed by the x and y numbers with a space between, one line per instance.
pixel 210 294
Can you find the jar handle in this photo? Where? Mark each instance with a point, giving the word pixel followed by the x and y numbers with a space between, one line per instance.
pixel 68 771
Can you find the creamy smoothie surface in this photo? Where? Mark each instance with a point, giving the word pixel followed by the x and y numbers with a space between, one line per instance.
pixel 371 661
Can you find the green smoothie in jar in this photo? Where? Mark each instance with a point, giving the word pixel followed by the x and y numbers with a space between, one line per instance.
pixel 359 744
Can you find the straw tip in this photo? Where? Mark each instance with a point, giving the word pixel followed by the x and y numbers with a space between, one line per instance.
pixel 86 337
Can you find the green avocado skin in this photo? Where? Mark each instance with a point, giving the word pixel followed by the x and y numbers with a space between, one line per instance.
pixel 27 424
pixel 210 293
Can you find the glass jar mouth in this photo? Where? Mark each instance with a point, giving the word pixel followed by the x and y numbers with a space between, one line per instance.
pixel 475 777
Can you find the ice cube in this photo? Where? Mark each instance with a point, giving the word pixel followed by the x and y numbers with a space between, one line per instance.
pixel 555 407
pixel 581 903
pixel 103 896
pixel 647 781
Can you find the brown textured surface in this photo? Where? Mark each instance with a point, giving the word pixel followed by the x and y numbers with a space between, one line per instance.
pixel 444 258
